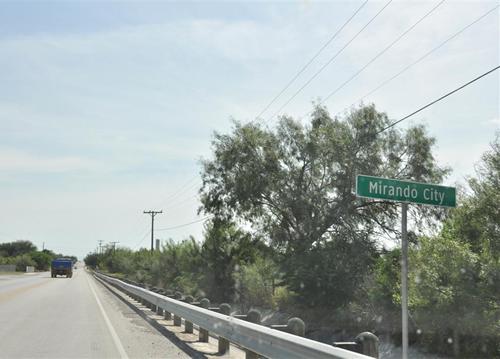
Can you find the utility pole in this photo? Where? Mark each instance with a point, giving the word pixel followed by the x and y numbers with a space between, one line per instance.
pixel 153 214
pixel 114 245
pixel 100 245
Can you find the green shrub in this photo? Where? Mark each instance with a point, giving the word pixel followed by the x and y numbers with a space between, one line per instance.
pixel 283 299
pixel 22 261
pixel 42 260
pixel 254 283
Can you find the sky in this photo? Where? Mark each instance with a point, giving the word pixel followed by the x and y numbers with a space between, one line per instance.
pixel 107 108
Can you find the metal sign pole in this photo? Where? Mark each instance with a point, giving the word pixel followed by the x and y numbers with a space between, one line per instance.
pixel 404 279
pixel 405 192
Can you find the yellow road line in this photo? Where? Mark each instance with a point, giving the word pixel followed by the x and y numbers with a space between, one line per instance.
pixel 14 292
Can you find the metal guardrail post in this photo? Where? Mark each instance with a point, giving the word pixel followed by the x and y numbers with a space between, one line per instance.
pixel 177 319
pixel 188 326
pixel 253 316
pixel 159 310
pixel 142 300
pixel 294 326
pixel 203 333
pixel 135 297
pixel 152 305
pixel 224 308
pixel 351 346
pixel 365 343
pixel 166 314
pixel 368 343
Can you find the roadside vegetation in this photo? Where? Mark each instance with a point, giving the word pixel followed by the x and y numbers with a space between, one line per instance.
pixel 288 233
pixel 25 253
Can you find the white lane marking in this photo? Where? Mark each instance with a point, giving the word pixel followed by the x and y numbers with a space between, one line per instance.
pixel 118 343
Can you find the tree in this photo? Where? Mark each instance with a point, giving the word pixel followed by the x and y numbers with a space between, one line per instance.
pixel 295 186
pixel 226 249
pixel 16 248
pixel 454 275
pixel 474 282
pixel 91 260
pixel 117 260
pixel 179 266
pixel 480 223
pixel 42 260
pixel 255 283
pixel 22 261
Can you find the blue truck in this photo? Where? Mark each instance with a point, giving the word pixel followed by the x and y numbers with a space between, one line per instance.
pixel 61 266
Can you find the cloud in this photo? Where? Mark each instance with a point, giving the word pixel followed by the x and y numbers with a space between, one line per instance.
pixel 494 122
pixel 121 115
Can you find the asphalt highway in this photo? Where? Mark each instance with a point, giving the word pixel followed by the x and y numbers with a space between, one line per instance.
pixel 44 317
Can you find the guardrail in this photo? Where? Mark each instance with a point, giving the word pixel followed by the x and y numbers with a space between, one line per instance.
pixel 255 339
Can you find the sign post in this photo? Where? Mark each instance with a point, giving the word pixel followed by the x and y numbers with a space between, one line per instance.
pixel 405 192
pixel 404 279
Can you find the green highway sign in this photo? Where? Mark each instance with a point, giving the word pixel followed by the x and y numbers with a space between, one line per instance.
pixel 405 191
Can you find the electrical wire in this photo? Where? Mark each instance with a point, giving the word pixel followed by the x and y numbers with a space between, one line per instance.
pixel 439 99
pixel 310 61
pixel 142 239
pixel 181 203
pixel 186 197
pixel 330 60
pixel 184 225
pixel 383 84
pixel 182 189
pixel 425 55
pixel 357 73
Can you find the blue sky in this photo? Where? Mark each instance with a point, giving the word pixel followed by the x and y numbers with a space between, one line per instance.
pixel 106 108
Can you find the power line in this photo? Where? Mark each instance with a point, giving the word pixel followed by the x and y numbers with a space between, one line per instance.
pixel 356 74
pixel 182 202
pixel 142 239
pixel 425 55
pixel 439 99
pixel 171 228
pixel 330 60
pixel 182 189
pixel 311 60
pixel 184 225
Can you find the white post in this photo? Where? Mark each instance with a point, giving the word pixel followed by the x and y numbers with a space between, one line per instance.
pixel 404 279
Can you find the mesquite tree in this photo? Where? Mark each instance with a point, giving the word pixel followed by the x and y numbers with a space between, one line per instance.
pixel 295 186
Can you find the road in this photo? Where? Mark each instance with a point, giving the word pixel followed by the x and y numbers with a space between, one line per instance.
pixel 42 317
